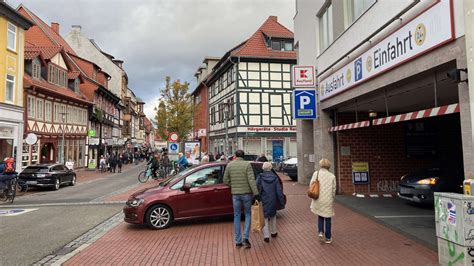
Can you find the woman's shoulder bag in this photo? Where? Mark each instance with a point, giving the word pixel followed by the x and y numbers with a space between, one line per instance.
pixel 313 191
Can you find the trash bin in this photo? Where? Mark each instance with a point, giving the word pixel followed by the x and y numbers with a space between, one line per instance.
pixel 454 218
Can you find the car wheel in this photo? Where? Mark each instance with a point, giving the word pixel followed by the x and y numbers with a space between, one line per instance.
pixel 73 181
pixel 159 217
pixel 57 184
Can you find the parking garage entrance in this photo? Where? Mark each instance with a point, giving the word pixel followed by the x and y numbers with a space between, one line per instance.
pixel 399 129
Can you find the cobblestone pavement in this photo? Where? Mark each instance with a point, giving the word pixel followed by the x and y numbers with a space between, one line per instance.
pixel 85 175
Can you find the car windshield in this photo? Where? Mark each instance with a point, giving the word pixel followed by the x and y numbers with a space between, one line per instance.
pixel 175 177
pixel 36 169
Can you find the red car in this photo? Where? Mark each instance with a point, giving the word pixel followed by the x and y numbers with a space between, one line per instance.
pixel 195 192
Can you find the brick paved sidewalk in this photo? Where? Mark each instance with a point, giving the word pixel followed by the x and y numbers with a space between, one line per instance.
pixel 357 241
pixel 85 175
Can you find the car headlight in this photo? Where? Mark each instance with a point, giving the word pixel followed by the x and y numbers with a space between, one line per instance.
pixel 428 181
pixel 133 202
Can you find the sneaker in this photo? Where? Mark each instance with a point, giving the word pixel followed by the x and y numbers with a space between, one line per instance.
pixel 328 241
pixel 274 235
pixel 238 245
pixel 266 239
pixel 247 244
pixel 321 237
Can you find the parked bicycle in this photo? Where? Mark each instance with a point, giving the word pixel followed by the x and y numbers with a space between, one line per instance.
pixel 11 188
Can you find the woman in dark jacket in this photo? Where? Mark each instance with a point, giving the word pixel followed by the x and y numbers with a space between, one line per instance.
pixel 271 194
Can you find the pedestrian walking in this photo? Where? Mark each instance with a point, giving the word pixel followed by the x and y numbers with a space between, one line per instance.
pixel 119 163
pixel 271 193
pixel 205 159
pixel 113 163
pixel 165 163
pixel 211 157
pixel 241 179
pixel 323 207
pixel 102 164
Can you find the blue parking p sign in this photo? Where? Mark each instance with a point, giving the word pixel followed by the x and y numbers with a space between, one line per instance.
pixel 304 104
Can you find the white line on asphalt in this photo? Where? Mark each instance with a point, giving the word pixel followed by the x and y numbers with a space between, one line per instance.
pixel 67 204
pixel 403 216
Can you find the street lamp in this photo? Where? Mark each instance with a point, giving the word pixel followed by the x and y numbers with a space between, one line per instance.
pixel 63 119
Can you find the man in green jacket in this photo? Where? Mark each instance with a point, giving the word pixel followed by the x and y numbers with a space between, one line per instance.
pixel 241 179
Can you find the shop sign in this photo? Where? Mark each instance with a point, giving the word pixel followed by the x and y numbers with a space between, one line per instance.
pixel 304 104
pixel 267 129
pixel 92 164
pixel 6 132
pixel 429 30
pixel 303 76
pixel 31 139
pixel 360 172
pixel 93 141
pixel 201 132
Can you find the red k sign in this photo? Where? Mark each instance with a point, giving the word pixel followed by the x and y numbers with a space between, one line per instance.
pixel 303 76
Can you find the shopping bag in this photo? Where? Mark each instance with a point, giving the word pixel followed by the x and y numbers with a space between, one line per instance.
pixel 258 220
pixel 313 191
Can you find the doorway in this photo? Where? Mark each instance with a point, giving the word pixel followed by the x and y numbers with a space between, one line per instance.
pixel 277 150
pixel 47 153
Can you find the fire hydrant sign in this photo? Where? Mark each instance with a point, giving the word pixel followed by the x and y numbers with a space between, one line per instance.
pixel 303 76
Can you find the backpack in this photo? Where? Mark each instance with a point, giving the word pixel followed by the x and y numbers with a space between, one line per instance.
pixel 9 167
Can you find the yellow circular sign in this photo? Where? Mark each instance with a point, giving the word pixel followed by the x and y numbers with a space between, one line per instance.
pixel 368 63
pixel 420 34
pixel 348 75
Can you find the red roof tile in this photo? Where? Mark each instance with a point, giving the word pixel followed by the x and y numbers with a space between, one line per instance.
pixel 73 74
pixel 47 52
pixel 255 46
pixel 51 88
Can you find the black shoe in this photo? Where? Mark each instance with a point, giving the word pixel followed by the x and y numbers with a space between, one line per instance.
pixel 274 235
pixel 246 243
pixel 238 245
pixel 266 239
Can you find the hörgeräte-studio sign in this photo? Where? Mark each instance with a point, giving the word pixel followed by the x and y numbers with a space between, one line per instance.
pixel 427 31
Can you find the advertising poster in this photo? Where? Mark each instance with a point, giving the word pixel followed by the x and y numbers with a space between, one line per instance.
pixel 192 150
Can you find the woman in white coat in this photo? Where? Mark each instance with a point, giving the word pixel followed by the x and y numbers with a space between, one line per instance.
pixel 323 207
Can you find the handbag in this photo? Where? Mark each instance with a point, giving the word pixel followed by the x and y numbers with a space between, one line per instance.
pixel 258 220
pixel 313 191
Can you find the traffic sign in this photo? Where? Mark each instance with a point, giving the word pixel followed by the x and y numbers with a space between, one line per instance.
pixel 173 147
pixel 173 137
pixel 304 104
pixel 303 76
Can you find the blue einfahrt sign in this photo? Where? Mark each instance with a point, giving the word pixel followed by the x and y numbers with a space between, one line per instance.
pixel 304 104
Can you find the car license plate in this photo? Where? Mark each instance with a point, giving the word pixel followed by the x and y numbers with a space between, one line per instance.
pixel 404 190
pixel 31 182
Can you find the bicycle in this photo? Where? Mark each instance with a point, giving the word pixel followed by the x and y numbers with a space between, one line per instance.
pixel 143 176
pixel 12 187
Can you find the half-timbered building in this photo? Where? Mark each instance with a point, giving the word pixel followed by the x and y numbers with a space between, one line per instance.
pixel 55 111
pixel 250 95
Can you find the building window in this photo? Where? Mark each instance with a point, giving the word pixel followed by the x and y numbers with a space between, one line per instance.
pixel 57 76
pixel 31 107
pixel 11 42
pixel 353 9
pixel 56 113
pixel 10 88
pixel 325 27
pixel 197 99
pixel 288 46
pixel 276 45
pixel 39 109
pixel 47 111
pixel 36 69
pixel 77 82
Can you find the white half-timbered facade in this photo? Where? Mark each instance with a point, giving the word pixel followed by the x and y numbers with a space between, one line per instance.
pixel 250 95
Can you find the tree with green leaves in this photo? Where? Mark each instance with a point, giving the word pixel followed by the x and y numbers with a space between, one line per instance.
pixel 175 111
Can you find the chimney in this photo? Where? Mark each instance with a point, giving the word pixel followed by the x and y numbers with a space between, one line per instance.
pixel 275 18
pixel 55 27
pixel 76 28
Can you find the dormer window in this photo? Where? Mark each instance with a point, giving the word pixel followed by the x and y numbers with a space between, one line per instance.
pixel 77 82
pixel 36 68
pixel 279 44
pixel 57 75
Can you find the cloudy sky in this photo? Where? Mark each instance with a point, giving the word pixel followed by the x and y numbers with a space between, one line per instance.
pixel 157 38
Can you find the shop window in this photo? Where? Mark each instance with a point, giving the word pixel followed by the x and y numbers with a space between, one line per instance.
pixel 6 148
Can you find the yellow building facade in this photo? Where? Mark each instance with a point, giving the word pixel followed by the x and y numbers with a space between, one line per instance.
pixel 12 42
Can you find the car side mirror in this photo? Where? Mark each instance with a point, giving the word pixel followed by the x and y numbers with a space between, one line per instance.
pixel 186 187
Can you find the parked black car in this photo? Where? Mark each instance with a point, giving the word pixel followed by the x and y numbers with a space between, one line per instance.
pixel 290 168
pixel 420 186
pixel 48 175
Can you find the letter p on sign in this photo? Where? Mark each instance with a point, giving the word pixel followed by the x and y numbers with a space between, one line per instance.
pixel 304 100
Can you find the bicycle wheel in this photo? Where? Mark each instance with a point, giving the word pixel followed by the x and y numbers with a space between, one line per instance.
pixel 21 187
pixel 12 190
pixel 142 177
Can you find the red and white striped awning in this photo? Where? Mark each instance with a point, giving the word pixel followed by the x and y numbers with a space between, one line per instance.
pixel 350 126
pixel 437 111
pixel 431 112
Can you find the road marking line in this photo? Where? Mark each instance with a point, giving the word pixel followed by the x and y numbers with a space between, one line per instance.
pixel 70 204
pixel 403 216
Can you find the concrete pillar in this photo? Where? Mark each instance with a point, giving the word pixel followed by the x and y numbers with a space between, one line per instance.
pixel 466 92
pixel 305 146
pixel 323 141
